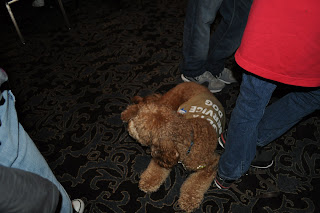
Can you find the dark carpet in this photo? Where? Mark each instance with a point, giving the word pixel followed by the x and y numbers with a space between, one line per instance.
pixel 72 85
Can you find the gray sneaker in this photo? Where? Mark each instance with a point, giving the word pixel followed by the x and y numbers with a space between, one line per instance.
pixel 226 76
pixel 38 3
pixel 206 79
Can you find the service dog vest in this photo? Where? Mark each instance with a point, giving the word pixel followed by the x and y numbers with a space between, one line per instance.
pixel 205 106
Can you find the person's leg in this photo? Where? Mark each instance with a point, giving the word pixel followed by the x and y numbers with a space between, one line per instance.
pixel 17 150
pixel 24 191
pixel 240 148
pixel 227 36
pixel 280 116
pixel 199 17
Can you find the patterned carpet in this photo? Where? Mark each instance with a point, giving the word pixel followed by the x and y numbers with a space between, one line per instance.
pixel 71 87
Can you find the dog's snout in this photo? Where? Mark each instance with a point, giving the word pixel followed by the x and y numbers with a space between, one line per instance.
pixel 132 130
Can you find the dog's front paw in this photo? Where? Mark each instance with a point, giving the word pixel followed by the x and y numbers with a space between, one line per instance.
pixel 193 189
pixel 148 185
pixel 152 178
pixel 190 201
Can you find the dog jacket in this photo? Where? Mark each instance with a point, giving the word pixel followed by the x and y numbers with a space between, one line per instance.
pixel 205 106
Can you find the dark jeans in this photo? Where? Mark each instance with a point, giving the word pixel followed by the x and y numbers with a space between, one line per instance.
pixel 203 51
pixel 254 124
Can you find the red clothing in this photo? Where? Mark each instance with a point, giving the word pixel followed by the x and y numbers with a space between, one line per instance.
pixel 282 42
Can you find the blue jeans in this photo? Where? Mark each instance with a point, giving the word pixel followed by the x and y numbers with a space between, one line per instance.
pixel 17 149
pixel 203 51
pixel 253 123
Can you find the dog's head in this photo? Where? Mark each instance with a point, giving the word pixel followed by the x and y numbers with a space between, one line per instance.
pixel 154 126
pixel 132 110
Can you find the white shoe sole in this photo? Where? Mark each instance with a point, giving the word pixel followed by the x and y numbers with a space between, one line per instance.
pixel 226 81
pixel 78 205
pixel 262 167
pixel 184 78
pixel 220 142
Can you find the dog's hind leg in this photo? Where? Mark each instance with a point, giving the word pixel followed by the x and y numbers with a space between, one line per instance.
pixel 182 93
pixel 153 177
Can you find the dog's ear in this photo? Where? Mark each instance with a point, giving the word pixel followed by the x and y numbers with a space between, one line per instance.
pixel 148 99
pixel 165 153
pixel 137 99
pixel 130 112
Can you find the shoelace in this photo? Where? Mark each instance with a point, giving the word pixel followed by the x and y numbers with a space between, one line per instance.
pixel 218 76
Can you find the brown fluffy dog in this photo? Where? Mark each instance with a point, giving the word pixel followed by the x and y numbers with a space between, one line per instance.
pixel 153 121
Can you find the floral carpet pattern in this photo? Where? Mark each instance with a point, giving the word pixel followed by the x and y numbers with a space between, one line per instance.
pixel 72 85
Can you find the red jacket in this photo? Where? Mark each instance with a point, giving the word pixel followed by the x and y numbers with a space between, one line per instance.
pixel 282 41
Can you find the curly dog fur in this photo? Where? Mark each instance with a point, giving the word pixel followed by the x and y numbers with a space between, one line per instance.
pixel 153 121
